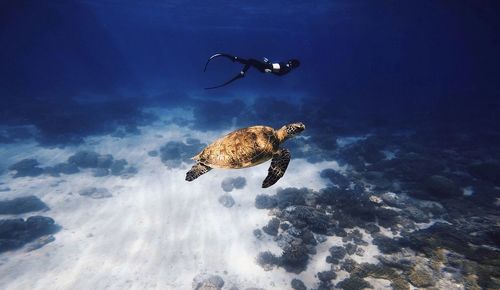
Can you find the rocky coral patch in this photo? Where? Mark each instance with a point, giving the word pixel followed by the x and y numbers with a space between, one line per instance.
pixel 22 205
pixel 230 183
pixel 207 282
pixel 173 153
pixel 95 192
pixel 100 164
pixel 15 233
pixel 428 212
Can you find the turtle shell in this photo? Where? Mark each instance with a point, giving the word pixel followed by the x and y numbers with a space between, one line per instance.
pixel 241 148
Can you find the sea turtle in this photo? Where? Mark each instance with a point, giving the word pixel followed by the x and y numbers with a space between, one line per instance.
pixel 245 148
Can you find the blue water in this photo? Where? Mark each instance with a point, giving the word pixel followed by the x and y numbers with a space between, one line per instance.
pixel 411 87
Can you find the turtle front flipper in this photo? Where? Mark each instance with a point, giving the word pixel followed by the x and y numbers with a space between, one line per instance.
pixel 197 170
pixel 278 167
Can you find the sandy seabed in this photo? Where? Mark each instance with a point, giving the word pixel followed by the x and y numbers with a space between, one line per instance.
pixel 157 231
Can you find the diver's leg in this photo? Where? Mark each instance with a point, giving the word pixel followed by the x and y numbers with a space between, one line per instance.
pixel 240 75
pixel 233 58
pixel 228 56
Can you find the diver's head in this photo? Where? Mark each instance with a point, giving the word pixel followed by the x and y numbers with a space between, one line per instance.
pixel 294 63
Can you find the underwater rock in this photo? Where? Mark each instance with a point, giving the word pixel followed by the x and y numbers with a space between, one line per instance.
pixel 442 187
pixel 433 207
pixel 298 284
pixel 291 196
pixel 411 167
pixel 308 237
pixel 272 227
pixel 267 260
pixel 360 252
pixel 377 180
pixel 395 261
pixel 26 167
pixel 416 215
pixel 327 276
pixel 294 257
pixel 290 236
pixel 379 271
pixel 371 228
pixel 337 252
pixel 355 208
pixel 257 233
pixel 350 248
pixel 395 200
pixel 100 172
pixel 457 239
pixel 348 265
pixel 375 199
pixel 263 201
pixel 320 238
pixel 353 283
pixel 22 205
pixel 129 172
pixel 64 168
pixel 153 153
pixel 104 161
pixel 207 282
pixel 386 245
pixel 226 200
pixel 356 236
pixel 386 217
pixel 174 153
pixel 84 159
pixel 305 216
pixel 421 276
pixel 331 260
pixel 95 193
pixel 118 167
pixel 489 171
pixel 229 183
pixel 15 233
pixel 102 165
pixel 336 178
pixel 372 153
pixel 339 232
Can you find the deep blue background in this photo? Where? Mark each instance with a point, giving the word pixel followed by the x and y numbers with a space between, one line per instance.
pixel 74 66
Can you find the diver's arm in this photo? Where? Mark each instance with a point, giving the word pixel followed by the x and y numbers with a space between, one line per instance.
pixel 268 64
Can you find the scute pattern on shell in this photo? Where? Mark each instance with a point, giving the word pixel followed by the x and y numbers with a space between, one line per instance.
pixel 241 148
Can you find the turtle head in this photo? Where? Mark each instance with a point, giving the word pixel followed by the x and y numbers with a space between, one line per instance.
pixel 290 130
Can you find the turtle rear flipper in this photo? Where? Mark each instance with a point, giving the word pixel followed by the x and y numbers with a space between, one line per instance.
pixel 278 167
pixel 197 170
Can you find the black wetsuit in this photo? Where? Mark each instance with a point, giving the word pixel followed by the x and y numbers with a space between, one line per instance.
pixel 281 68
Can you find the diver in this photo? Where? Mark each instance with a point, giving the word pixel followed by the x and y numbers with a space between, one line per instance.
pixel 278 68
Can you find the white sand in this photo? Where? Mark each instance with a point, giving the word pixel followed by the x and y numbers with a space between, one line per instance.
pixel 157 231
